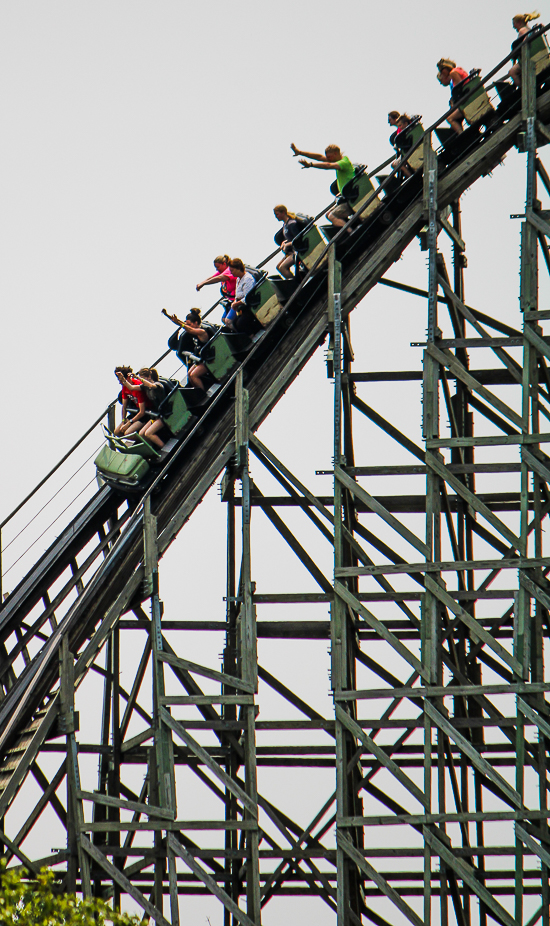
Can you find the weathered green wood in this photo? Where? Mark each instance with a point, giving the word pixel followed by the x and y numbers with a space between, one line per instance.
pixel 535 847
pixel 359 733
pixel 239 915
pixel 180 663
pixel 450 362
pixel 379 627
pixel 211 763
pixel 468 874
pixel 534 717
pixel 107 801
pixel 378 879
pixel 379 509
pixel 510 794
pixel 478 632
pixel 505 440
pixel 519 562
pixel 119 878
pixel 435 462
pixel 440 691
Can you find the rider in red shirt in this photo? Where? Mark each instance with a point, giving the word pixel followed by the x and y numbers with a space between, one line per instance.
pixel 131 388
pixel 449 75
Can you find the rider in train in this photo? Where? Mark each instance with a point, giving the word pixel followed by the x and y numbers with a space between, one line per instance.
pixel 332 159
pixel 154 392
pixel 224 276
pixel 520 22
pixel 448 74
pixel 191 340
pixel 293 224
pixel 132 393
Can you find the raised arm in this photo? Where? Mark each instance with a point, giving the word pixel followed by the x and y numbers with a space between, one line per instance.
pixel 173 318
pixel 308 154
pixel 325 165
pixel 216 278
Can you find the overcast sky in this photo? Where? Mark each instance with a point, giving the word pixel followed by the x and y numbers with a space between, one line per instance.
pixel 141 139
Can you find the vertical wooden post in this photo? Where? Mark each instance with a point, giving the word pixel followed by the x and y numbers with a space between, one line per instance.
pixel 248 654
pixel 75 814
pixel 430 427
pixel 163 759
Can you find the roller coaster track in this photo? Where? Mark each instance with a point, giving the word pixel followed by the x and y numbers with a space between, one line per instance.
pixel 104 544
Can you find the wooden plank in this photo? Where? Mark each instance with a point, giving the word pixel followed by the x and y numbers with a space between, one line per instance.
pixel 346 844
pixel 122 881
pixel 535 590
pixel 440 691
pixel 359 733
pixel 452 233
pixel 537 342
pixel 534 717
pixel 147 809
pixel 256 444
pixel 134 826
pixel 435 462
pixel 510 794
pixel 535 847
pixel 207 699
pixel 422 470
pixel 518 562
pixel 478 632
pixel 482 816
pixel 206 672
pixel 379 509
pixel 210 763
pixel 541 225
pixel 176 847
pixel 450 362
pixel 505 440
pixel 535 464
pixel 388 428
pixel 469 876
pixel 380 628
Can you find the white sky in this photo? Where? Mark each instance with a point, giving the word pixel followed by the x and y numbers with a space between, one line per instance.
pixel 141 139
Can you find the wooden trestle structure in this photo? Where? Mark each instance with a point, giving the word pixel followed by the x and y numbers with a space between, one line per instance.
pixel 446 752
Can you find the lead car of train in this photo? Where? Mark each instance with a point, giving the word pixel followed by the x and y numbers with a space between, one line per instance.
pixel 276 302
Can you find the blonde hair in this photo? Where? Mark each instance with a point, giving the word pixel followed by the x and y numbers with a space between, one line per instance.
pixel 221 259
pixel 526 17
pixel 332 149
pixel 446 63
pixel 281 208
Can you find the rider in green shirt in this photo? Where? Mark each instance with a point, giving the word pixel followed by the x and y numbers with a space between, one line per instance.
pixel 332 159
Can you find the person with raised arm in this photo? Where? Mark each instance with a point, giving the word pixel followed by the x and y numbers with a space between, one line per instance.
pixel 448 74
pixel 332 159
pixel 131 389
pixel 222 275
pixel 196 334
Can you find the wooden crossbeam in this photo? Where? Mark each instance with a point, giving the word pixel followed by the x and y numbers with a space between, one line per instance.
pixel 435 462
pixel 346 844
pixel 359 733
pixel 448 360
pixel 509 794
pixel 478 632
pixel 381 630
pixel 176 847
pixel 374 505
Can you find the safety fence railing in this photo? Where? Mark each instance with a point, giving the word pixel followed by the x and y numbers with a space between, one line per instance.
pixel 107 416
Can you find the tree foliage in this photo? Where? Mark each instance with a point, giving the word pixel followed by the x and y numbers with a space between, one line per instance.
pixel 40 902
